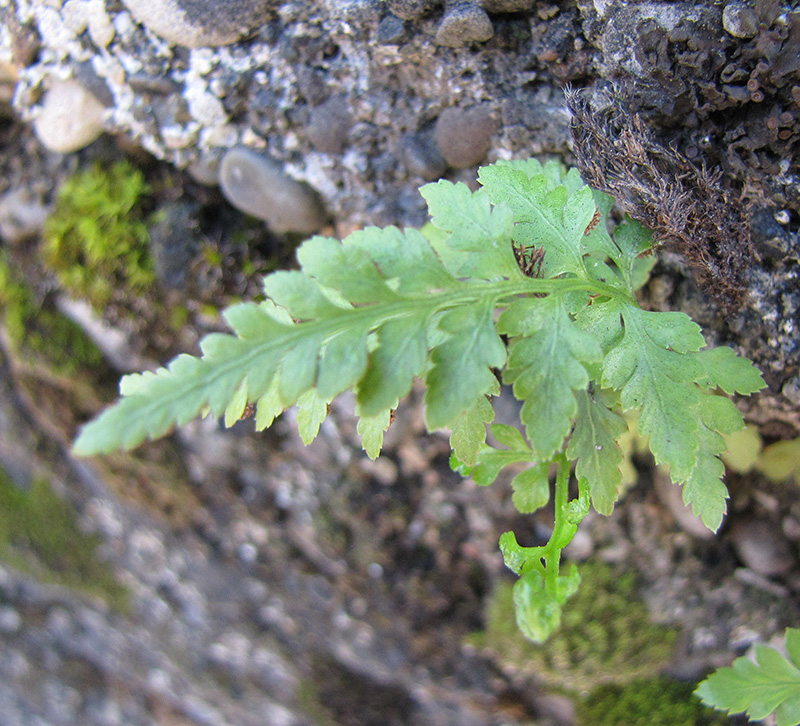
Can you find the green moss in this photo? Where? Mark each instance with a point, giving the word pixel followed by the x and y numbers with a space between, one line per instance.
pixel 96 240
pixel 39 535
pixel 647 702
pixel 605 635
pixel 40 335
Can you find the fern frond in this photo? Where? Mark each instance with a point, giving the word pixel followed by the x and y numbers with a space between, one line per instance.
pixel 521 277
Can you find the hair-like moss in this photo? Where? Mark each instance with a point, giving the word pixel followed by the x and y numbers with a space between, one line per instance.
pixel 647 702
pixel 96 240
pixel 605 635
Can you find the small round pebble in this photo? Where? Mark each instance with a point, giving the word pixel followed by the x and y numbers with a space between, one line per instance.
pixel 257 185
pixel 740 20
pixel 464 22
pixel 70 119
pixel 329 125
pixel 464 135
pixel 200 23
pixel 761 546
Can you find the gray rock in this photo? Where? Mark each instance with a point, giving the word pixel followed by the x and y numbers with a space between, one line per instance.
pixel 357 11
pixel 205 170
pixel 329 125
pixel 422 157
pixel 199 23
pixel 761 546
pixel 391 30
pixel 740 20
pixel 70 118
pixel 174 243
pixel 464 135
pixel 791 389
pixel 257 185
pixel 464 22
pixel 22 215
pixel 508 6
pixel 410 9
pixel 10 620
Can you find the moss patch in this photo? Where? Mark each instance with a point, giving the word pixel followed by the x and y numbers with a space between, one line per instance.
pixel 96 240
pixel 605 635
pixel 647 702
pixel 39 535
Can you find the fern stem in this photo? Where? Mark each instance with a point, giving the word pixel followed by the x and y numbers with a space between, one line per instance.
pixel 552 550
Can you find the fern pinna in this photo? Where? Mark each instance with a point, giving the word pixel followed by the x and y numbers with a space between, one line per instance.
pixel 521 276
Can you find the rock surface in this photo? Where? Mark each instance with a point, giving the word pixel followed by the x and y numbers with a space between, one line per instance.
pixel 70 117
pixel 334 91
pixel 199 23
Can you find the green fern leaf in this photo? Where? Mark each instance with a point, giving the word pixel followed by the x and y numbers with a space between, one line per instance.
pixel 653 375
pixel 461 372
pixel 469 432
pixel 371 430
pixel 593 445
pixel 491 461
pixel 545 366
pixel 479 231
pixel 547 216
pixel 770 685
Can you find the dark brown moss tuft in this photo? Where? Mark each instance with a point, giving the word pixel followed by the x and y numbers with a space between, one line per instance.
pixel 685 206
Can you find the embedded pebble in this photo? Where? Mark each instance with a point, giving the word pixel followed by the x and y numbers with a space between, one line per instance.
pixel 358 11
pixel 329 125
pixel 464 22
pixel 422 157
pixel 199 23
pixel 70 119
pixel 410 9
pixel 464 135
pixel 740 20
pixel 257 185
pixel 761 546
pixel 390 31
